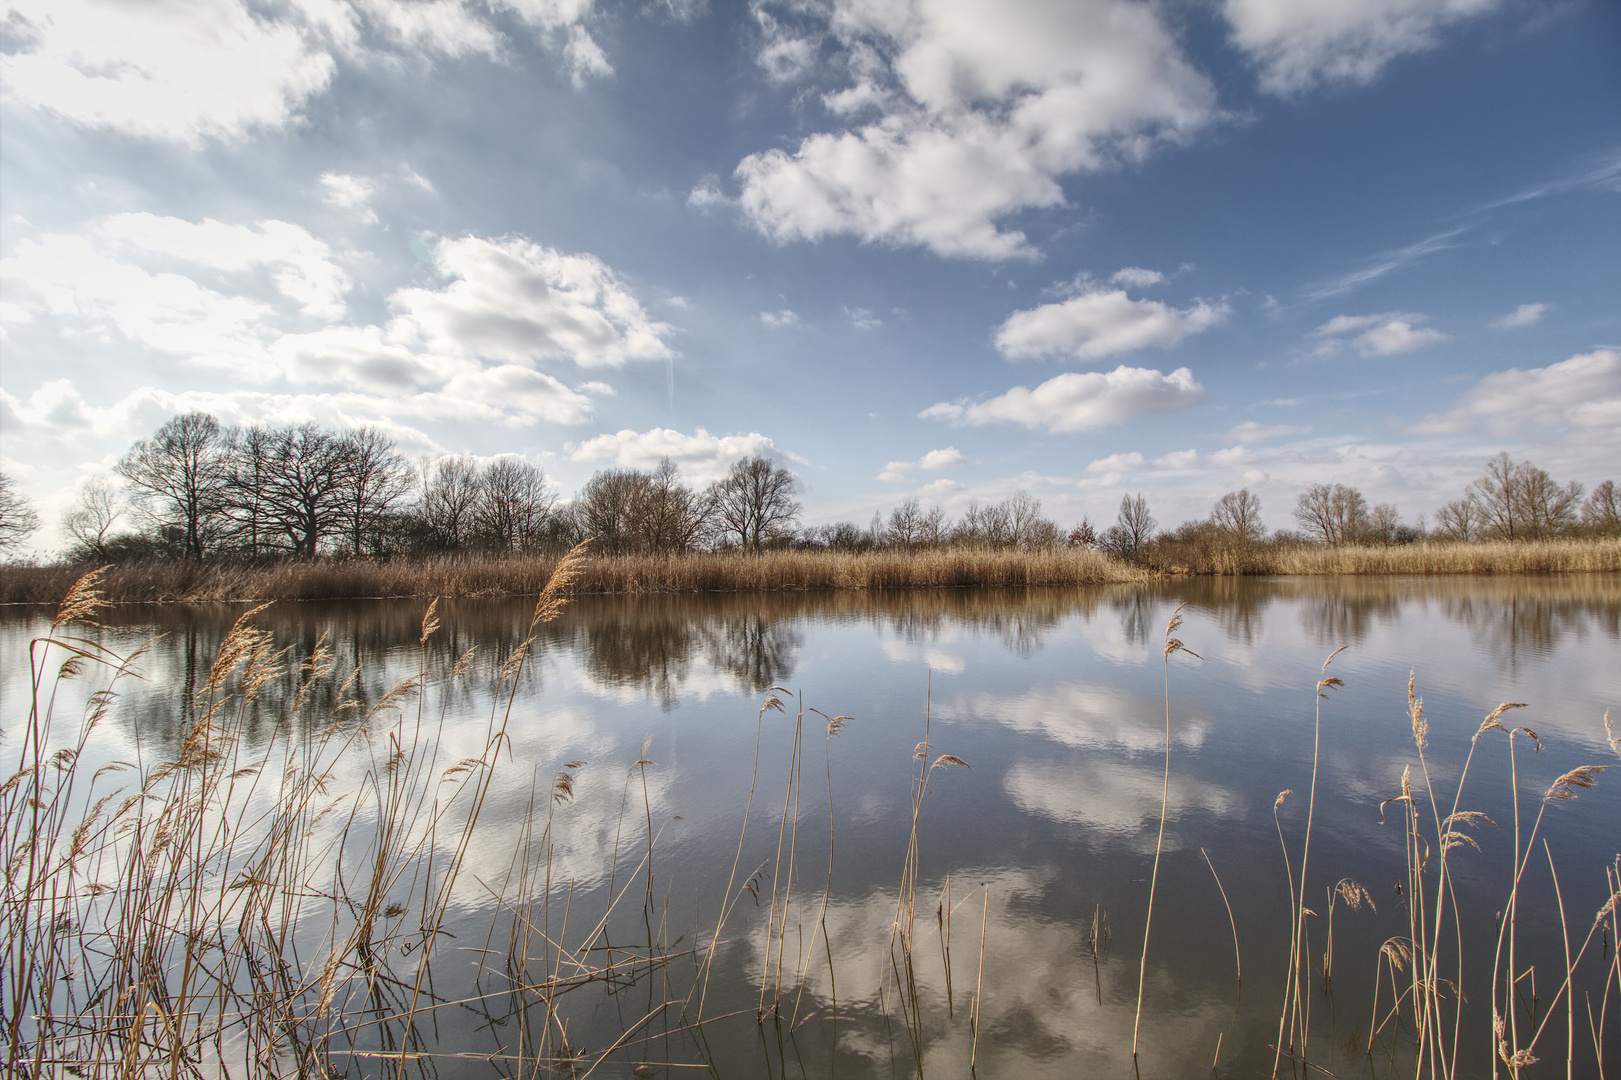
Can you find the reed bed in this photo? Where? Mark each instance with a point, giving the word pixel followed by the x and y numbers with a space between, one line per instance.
pixel 474 576
pixel 1530 557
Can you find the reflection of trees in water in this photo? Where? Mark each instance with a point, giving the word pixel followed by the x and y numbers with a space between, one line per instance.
pixel 1019 618
pixel 654 643
pixel 373 645
pixel 756 651
pixel 1515 624
pixel 1136 609
pixel 1233 603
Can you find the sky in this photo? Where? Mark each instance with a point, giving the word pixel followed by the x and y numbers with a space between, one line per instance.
pixel 938 249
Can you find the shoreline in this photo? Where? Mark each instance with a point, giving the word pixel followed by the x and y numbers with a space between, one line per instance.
pixel 781 572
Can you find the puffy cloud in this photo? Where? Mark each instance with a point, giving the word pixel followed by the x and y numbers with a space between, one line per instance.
pixel 466 350
pixel 1583 392
pixel 520 392
pixel 57 412
pixel 983 107
pixel 1182 460
pixel 68 278
pixel 897 471
pixel 516 301
pixel 1524 315
pixel 1298 45
pixel 702 457
pixel 1076 401
pixel 1375 335
pixel 351 193
pixel 1136 277
pixel 183 72
pixel 779 320
pixel 1251 431
pixel 357 356
pixel 1117 463
pixel 302 266
pixel 1099 323
pixel 707 195
pixel 220 69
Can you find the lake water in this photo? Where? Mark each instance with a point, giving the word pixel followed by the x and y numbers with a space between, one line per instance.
pixel 1056 700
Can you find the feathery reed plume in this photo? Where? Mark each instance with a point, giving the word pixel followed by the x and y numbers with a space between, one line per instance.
pixel 1172 645
pixel 84 598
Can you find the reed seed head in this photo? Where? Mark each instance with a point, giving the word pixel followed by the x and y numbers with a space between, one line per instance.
pixel 430 621
pixel 84 598
pixel 949 759
pixel 1566 786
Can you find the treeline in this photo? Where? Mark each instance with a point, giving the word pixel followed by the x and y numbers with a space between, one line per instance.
pixel 1511 502
pixel 200 490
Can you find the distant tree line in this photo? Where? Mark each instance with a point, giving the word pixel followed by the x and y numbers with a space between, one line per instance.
pixel 198 489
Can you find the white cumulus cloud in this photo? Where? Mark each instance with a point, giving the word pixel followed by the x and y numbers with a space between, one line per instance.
pixel 1252 431
pixel 982 108
pixel 1375 335
pixel 301 265
pixel 514 300
pixel 1302 43
pixel 701 457
pixel 1099 323
pixel 1136 277
pixel 221 69
pixel 779 320
pixel 896 471
pixel 351 193
pixel 1583 392
pixel 1524 315
pixel 1077 401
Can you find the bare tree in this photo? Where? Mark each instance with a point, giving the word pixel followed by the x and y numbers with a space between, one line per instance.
pixel 905 525
pixel 1384 524
pixel 18 517
pixel 303 489
pixel 1332 514
pixel 1521 502
pixel 89 525
pixel 1461 519
pixel 1026 528
pixel 514 499
pixel 375 479
pixel 1132 528
pixel 932 528
pixel 676 518
pixel 610 507
pixel 1601 513
pixel 246 481
pixel 755 502
pixel 1239 514
pixel 450 492
pixel 178 477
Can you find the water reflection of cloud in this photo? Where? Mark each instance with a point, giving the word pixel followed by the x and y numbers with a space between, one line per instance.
pixel 1086 716
pixel 1114 801
pixel 936 659
pixel 1041 1010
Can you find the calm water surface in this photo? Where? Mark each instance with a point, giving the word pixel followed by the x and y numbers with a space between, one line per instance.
pixel 1056 699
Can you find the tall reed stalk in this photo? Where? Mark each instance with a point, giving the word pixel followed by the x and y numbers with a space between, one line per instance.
pixel 1172 645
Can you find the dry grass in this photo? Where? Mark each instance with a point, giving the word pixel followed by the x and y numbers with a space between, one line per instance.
pixel 780 571
pixel 1538 557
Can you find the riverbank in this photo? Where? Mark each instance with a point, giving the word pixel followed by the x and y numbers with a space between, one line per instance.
pixel 777 571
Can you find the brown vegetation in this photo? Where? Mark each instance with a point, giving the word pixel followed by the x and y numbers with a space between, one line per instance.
pixel 177 581
pixel 773 571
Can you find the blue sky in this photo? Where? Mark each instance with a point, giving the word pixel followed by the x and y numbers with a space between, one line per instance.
pixel 906 247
